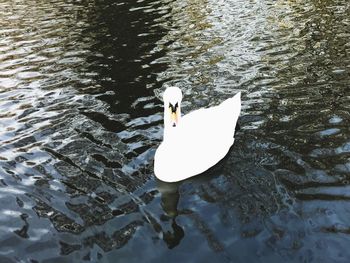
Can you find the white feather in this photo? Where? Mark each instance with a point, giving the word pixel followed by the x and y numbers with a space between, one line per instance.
pixel 199 141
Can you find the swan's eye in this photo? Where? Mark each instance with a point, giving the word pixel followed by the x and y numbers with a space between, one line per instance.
pixel 173 108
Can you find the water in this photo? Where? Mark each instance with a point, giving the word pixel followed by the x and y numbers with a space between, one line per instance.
pixel 81 117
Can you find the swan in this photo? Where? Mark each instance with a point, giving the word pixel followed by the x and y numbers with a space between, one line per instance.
pixel 196 141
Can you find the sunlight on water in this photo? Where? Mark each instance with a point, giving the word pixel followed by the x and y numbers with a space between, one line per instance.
pixel 81 117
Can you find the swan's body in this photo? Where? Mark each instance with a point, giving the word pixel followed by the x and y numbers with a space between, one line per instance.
pixel 197 141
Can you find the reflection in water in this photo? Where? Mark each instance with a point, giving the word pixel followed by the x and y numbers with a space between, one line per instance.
pixel 169 201
pixel 170 197
pixel 80 83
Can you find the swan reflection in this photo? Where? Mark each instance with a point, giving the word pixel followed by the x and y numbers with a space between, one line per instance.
pixel 169 200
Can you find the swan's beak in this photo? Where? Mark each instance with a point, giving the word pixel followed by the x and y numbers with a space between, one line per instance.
pixel 174 119
pixel 174 113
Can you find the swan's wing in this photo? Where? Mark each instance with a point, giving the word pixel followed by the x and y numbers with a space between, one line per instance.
pixel 208 134
pixel 214 121
pixel 230 110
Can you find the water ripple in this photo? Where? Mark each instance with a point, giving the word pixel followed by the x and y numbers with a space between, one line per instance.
pixel 81 115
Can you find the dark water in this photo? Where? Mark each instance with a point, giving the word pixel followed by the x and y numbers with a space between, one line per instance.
pixel 80 120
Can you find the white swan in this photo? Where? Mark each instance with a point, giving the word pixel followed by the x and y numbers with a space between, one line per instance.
pixel 197 141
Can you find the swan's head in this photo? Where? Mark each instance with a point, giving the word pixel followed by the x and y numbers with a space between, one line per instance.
pixel 172 99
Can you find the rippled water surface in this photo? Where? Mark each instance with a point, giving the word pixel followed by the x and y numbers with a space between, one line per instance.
pixel 81 117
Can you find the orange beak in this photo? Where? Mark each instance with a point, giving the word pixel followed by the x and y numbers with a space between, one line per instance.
pixel 174 117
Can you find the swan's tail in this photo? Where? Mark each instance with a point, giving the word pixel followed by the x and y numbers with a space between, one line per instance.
pixel 237 104
pixel 232 109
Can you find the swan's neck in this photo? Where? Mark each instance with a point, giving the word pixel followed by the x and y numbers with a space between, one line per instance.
pixel 169 129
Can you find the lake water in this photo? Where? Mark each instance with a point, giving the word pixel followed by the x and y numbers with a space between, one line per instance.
pixel 81 117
